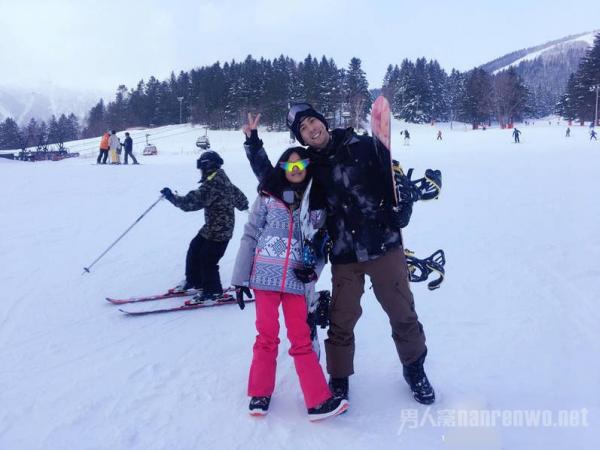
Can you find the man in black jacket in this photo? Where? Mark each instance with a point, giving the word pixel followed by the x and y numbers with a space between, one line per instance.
pixel 352 180
pixel 128 144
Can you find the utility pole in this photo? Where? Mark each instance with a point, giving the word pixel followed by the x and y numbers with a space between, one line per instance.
pixel 180 100
pixel 596 88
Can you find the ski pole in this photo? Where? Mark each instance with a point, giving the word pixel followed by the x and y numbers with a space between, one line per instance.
pixel 87 269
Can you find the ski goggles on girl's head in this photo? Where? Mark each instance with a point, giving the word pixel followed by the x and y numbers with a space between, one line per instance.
pixel 295 109
pixel 289 166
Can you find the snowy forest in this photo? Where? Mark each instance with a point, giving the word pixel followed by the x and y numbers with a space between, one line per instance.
pixel 419 91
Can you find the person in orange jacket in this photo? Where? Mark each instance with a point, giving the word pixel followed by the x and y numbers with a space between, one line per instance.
pixel 104 147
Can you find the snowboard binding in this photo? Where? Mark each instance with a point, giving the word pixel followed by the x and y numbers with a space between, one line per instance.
pixel 420 269
pixel 409 191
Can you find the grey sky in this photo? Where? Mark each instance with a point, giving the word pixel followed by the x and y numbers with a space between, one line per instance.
pixel 100 44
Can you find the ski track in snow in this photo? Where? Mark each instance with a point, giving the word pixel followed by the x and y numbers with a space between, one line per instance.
pixel 513 326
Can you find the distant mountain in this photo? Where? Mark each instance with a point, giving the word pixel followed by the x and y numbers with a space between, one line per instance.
pixel 42 102
pixel 548 50
pixel 546 68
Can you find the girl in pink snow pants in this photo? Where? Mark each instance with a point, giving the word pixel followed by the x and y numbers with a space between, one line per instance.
pixel 270 250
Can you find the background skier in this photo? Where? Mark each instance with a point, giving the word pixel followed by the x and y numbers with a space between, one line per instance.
pixel 114 144
pixel 517 134
pixel 104 147
pixel 128 144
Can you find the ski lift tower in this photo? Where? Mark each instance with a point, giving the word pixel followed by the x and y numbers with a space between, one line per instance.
pixel 180 102
pixel 592 89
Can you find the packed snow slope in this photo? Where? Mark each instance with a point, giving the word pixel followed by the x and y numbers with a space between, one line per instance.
pixel 514 327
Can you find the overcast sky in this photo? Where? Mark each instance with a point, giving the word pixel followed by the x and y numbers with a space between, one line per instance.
pixel 100 44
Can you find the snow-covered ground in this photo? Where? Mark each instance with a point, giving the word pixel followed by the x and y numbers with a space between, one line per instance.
pixel 513 330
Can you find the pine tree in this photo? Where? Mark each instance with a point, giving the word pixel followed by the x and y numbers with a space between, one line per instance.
pixel 567 105
pixel 588 80
pixel 331 96
pixel 437 85
pixel 357 93
pixel 117 110
pixel 11 136
pixel 455 92
pixel 136 115
pixel 96 122
pixel 73 128
pixel 31 131
pixel 510 96
pixel 403 107
pixel 477 103
pixel 42 136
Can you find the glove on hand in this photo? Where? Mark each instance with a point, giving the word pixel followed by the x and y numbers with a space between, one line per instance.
pixel 167 193
pixel 253 141
pixel 306 275
pixel 239 295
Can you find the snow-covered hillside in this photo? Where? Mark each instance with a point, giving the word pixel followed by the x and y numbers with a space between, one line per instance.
pixel 41 102
pixel 552 49
pixel 585 40
pixel 513 329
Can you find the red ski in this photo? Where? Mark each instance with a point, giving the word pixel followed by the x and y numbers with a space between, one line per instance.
pixel 169 294
pixel 225 300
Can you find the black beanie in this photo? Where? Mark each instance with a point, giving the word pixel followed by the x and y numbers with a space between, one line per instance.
pixel 298 112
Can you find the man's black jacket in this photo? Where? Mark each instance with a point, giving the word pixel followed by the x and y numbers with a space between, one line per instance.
pixel 352 179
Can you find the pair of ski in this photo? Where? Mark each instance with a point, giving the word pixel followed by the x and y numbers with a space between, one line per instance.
pixel 228 298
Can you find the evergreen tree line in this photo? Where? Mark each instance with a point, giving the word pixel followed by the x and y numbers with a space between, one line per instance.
pixel 220 96
pixel 422 92
pixel 39 134
pixel 579 100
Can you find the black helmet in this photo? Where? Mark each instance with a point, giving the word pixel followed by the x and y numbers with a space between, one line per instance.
pixel 209 161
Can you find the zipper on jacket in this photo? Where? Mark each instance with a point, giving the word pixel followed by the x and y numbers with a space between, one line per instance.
pixel 289 247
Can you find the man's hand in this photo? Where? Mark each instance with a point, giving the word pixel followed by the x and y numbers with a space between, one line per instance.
pixel 239 295
pixel 251 125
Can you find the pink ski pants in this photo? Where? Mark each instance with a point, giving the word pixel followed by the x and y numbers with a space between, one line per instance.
pixel 261 382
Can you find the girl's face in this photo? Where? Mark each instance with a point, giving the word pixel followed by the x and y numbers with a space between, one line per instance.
pixel 296 175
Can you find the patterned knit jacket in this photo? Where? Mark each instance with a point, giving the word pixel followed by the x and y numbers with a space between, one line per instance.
pixel 271 247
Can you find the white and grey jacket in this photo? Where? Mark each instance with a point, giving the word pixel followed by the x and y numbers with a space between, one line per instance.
pixel 271 247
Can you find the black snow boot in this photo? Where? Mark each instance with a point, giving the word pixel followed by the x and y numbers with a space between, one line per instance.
pixel 339 387
pixel 329 408
pixel 259 406
pixel 415 376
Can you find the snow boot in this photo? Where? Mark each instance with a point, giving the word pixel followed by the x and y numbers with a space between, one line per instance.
pixel 415 376
pixel 329 408
pixel 185 285
pixel 339 387
pixel 203 297
pixel 182 286
pixel 259 406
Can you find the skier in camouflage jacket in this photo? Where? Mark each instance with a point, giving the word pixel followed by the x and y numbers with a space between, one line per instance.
pixel 218 196
pixel 352 180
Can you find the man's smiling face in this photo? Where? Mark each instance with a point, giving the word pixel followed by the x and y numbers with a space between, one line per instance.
pixel 313 132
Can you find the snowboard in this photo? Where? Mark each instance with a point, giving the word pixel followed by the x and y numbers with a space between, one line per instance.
pixel 381 127
pixel 309 257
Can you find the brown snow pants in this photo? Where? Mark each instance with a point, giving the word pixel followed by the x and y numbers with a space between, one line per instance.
pixel 389 275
